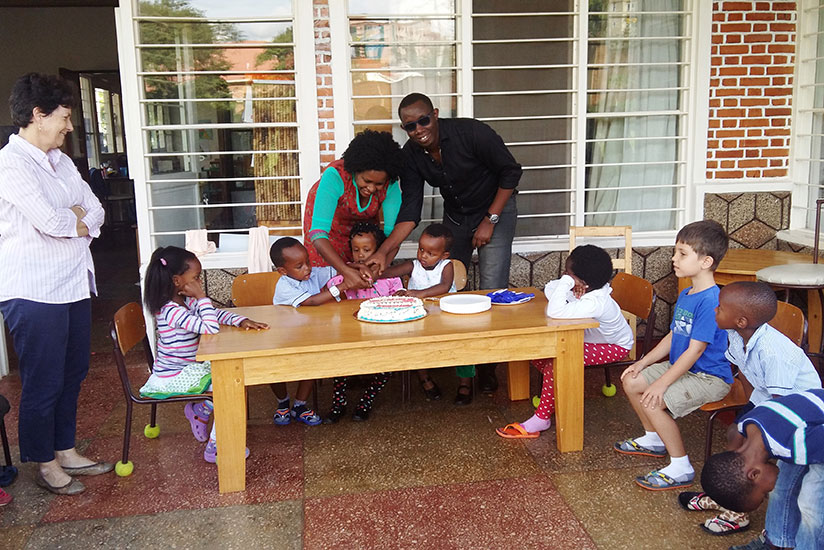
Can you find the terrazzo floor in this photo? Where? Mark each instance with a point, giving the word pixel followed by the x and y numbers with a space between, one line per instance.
pixel 416 475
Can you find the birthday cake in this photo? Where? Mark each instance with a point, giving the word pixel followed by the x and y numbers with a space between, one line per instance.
pixel 391 309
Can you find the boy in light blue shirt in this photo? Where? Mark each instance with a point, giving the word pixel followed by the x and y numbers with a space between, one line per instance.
pixel 300 283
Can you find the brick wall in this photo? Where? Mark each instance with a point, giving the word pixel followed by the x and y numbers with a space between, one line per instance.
pixel 323 66
pixel 751 78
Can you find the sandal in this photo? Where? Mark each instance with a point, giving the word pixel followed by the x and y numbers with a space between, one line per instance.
pixel 282 417
pixel 659 481
pixel 630 447
pixel 433 393
pixel 334 415
pixel 307 416
pixel 697 502
pixel 200 425
pixel 462 398
pixel 515 431
pixel 720 527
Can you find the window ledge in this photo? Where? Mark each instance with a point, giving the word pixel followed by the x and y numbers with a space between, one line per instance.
pixel 803 237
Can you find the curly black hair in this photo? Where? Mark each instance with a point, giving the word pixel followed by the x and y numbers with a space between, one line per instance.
pixel 277 248
pixel 440 231
pixel 591 264
pixel 367 228
pixel 372 150
pixel 45 91
pixel 724 479
pixel 756 301
pixel 166 262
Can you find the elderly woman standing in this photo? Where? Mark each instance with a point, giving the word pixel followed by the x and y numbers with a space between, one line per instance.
pixel 48 217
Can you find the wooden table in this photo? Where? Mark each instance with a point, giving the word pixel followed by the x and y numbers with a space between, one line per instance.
pixel 741 264
pixel 327 341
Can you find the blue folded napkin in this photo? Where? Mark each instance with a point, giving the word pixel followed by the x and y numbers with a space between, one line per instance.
pixel 509 297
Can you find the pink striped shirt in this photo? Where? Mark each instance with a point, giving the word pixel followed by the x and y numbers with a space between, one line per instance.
pixel 41 257
pixel 179 329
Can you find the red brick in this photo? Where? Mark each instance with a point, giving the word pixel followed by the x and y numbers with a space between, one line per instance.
pixel 752 122
pixel 729 174
pixel 714 82
pixel 781 48
pixel 756 60
pixel 728 102
pixel 751 153
pixel 779 60
pixel 776 162
pixel 780 69
pixel 750 38
pixel 756 70
pixel 774 173
pixel 755 82
pixel 753 173
pixel 322 91
pixel 779 101
pixel 722 92
pixel 754 142
pixel 782 27
pixel 712 144
pixel 781 38
pixel 730 113
pixel 751 102
pixel 758 49
pixel 783 6
pixel 778 112
pixel 729 82
pixel 775 152
pixel 735 16
pixel 732 38
pixel 760 27
pixel 732 71
pixel 714 123
pixel 730 154
pixel 717 39
pixel 760 16
pixel 323 69
pixel 715 103
pixel 778 122
pixel 777 142
pixel 778 91
pixel 755 132
pixel 736 6
pixel 779 81
pixel 752 163
pixel 733 50
pixel 755 112
pixel 762 6
pixel 729 123
pixel 735 28
pixel 777 132
pixel 727 164
pixel 716 61
pixel 729 133
pixel 729 144
pixel 712 164
pixel 731 60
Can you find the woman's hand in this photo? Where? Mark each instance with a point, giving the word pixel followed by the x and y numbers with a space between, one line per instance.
pixel 356 276
pixel 193 289
pixel 377 261
pixel 248 324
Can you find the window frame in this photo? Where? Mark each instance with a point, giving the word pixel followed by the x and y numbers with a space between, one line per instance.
pixel 695 102
pixel 134 123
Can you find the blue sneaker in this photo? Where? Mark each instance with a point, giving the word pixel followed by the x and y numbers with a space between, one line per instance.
pixel 303 414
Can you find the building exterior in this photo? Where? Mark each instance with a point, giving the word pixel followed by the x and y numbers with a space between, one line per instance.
pixel 650 113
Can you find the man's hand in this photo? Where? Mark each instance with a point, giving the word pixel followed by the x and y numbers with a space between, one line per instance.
pixel 483 233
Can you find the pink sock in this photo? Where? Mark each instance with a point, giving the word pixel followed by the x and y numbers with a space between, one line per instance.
pixel 535 424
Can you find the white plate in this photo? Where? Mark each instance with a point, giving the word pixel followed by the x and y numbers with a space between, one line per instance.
pixel 465 303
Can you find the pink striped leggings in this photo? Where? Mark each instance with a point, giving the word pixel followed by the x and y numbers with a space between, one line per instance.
pixel 594 354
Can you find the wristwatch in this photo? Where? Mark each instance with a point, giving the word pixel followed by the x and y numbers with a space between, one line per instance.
pixel 493 218
pixel 335 292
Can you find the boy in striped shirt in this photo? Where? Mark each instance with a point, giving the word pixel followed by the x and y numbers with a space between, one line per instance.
pixel 790 429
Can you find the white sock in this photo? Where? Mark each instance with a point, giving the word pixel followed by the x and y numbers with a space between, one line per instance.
pixel 650 440
pixel 679 468
pixel 535 424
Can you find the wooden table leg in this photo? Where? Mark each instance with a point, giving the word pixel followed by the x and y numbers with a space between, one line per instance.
pixel 229 394
pixel 569 391
pixel 518 380
pixel 814 333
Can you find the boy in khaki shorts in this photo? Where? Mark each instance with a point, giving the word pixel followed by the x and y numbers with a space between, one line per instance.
pixel 697 371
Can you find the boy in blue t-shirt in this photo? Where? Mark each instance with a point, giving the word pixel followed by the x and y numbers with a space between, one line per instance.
pixel 697 371
pixel 790 429
pixel 300 283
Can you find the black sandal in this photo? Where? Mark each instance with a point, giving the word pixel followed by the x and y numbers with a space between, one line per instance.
pixel 462 398
pixel 433 393
pixel 334 415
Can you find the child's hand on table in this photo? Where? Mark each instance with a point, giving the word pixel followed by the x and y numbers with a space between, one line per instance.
pixel 248 324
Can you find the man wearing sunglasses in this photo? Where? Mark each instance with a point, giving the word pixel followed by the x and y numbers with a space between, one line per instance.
pixel 476 175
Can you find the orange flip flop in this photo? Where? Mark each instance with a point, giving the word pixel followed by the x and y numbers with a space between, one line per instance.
pixel 516 431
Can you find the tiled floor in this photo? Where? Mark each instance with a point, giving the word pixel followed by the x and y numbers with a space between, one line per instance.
pixel 417 475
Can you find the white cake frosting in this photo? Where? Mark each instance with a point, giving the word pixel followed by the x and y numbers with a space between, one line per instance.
pixel 391 309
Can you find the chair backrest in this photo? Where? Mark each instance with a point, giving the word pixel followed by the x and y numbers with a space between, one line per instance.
pixel 460 274
pixel 789 320
pixel 637 297
pixel 254 289
pixel 128 329
pixel 622 264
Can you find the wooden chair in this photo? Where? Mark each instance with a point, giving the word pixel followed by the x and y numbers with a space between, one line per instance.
pixel 254 289
pixel 637 298
pixel 623 231
pixel 460 274
pixel 128 329
pixel 258 289
pixel 789 320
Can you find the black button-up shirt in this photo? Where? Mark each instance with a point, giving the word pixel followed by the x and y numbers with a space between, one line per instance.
pixel 475 164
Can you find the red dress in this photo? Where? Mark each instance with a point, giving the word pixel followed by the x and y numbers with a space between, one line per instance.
pixel 346 215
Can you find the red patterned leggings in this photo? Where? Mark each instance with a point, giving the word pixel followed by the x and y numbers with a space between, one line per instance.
pixel 594 354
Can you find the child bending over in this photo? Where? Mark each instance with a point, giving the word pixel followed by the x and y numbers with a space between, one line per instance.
pixel 183 312
pixel 791 430
pixel 432 274
pixel 582 291
pixel 770 365
pixel 697 371
pixel 364 239
pixel 300 284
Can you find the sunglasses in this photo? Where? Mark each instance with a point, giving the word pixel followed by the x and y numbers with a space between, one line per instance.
pixel 425 120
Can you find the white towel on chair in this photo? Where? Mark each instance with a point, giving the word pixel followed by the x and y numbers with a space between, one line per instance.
pixel 257 255
pixel 197 243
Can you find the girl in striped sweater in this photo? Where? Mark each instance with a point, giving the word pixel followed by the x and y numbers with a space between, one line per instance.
pixel 183 312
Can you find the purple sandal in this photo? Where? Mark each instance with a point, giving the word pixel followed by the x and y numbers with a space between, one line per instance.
pixel 200 425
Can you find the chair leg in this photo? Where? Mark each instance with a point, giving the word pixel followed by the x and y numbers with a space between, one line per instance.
pixel 127 432
pixel 154 415
pixel 5 439
pixel 708 442
pixel 406 392
pixel 607 377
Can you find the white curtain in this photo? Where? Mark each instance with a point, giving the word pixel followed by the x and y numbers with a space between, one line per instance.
pixel 625 128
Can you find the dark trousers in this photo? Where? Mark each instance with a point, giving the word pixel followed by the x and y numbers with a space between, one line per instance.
pixel 53 344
